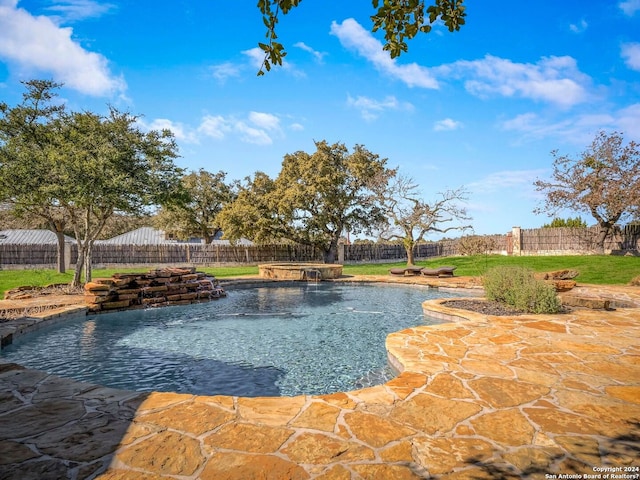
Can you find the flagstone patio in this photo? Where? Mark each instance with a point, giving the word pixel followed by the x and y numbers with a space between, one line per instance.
pixel 527 396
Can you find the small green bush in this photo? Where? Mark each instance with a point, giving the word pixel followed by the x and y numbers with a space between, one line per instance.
pixel 516 286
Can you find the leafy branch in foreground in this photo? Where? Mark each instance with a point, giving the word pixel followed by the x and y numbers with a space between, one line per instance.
pixel 400 20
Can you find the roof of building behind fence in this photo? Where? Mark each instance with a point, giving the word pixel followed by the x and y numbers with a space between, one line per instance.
pixel 154 236
pixel 31 237
pixel 143 236
pixel 140 236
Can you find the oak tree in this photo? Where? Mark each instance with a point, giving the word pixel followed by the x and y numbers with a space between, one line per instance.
pixel 29 178
pixel 315 198
pixel 409 218
pixel 194 213
pixel 110 166
pixel 604 181
pixel 76 170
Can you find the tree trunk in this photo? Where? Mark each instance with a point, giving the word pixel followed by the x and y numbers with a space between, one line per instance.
pixel 330 255
pixel 57 227
pixel 410 257
pixel 61 247
pixel 603 233
pixel 88 253
pixel 409 245
pixel 77 274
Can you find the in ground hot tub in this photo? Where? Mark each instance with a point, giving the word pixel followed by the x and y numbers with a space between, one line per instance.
pixel 300 271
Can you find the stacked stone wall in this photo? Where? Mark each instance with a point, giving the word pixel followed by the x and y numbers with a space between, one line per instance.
pixel 158 287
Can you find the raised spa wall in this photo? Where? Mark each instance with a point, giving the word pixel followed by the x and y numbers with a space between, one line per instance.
pixel 300 271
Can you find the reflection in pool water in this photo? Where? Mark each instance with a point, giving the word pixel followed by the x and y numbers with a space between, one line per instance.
pixel 270 340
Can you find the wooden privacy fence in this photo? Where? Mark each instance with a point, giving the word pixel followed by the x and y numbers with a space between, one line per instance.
pixel 374 252
pixel 197 254
pixel 202 254
pixel 541 241
pixel 579 240
pixel 19 254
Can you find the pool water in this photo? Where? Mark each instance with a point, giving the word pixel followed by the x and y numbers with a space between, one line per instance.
pixel 270 340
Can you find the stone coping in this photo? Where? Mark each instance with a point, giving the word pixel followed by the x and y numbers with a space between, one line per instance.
pixel 482 397
pixel 11 329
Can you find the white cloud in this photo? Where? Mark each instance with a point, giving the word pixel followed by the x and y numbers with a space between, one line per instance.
pixel 214 126
pixel 319 56
pixel 75 10
pixel 552 79
pixel 580 129
pixel 628 122
pixel 265 121
pixel 354 37
pixel 256 59
pixel 225 70
pixel 257 128
pixel 631 54
pixel 447 124
pixel 179 131
pixel 253 135
pixel 579 27
pixel 37 45
pixel 630 7
pixel 506 180
pixel 370 109
pixel 296 127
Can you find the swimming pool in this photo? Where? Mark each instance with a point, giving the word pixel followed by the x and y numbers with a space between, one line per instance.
pixel 267 340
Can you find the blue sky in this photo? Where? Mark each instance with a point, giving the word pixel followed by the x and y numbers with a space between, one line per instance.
pixel 480 108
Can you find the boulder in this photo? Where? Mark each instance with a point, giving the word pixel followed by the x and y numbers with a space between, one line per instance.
pixel 558 275
pixel 586 302
pixel 562 285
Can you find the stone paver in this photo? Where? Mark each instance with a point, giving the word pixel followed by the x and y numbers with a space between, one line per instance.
pixel 479 397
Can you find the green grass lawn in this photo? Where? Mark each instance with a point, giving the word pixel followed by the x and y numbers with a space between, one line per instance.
pixel 594 269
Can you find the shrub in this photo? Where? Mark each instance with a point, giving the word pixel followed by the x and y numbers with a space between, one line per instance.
pixel 475 245
pixel 635 281
pixel 516 286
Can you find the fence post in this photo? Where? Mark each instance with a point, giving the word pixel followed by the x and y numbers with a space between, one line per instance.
pixel 516 238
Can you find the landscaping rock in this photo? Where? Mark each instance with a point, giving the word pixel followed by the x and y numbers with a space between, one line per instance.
pixel 593 303
pixel 562 285
pixel 176 286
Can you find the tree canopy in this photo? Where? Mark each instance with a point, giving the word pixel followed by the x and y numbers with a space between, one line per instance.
pixel 604 181
pixel 195 212
pixel 111 166
pixel 29 175
pixel 400 20
pixel 570 222
pixel 78 169
pixel 315 198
